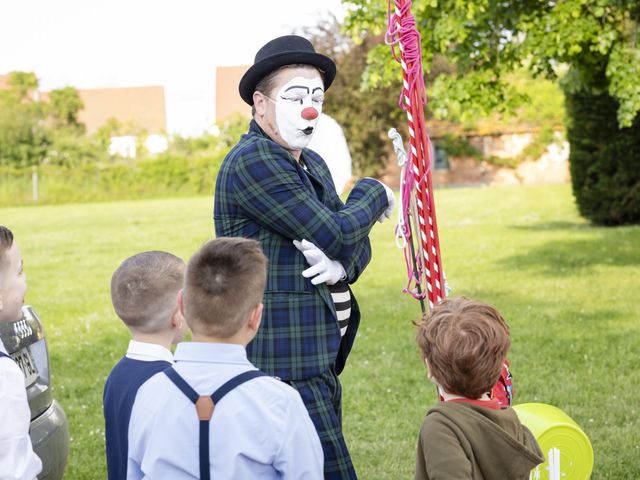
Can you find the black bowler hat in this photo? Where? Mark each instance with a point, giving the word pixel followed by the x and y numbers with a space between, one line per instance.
pixel 281 51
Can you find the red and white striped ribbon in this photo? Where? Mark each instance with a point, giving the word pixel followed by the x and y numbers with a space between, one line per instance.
pixel 428 265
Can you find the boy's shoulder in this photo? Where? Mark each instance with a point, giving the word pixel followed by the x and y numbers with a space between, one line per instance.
pixel 127 365
pixel 129 371
pixel 274 386
pixel 264 389
pixel 492 441
pixel 10 369
pixel 279 388
pixel 472 420
pixel 11 379
pixel 276 399
pixel 465 405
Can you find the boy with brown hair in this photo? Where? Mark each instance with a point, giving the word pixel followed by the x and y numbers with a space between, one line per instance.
pixel 469 435
pixel 17 458
pixel 252 425
pixel 144 293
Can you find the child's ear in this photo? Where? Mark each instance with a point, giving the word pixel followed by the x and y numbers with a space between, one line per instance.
pixel 429 374
pixel 255 318
pixel 177 319
pixel 181 302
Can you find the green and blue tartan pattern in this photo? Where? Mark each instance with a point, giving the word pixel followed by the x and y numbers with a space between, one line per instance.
pixel 323 398
pixel 263 193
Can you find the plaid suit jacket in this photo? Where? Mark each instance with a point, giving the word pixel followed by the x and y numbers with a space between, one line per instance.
pixel 263 193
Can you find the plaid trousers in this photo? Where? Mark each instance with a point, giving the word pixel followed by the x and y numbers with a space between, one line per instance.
pixel 322 395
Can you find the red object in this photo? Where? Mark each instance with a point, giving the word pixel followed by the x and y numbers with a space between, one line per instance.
pixel 493 404
pixel 420 203
pixel 428 264
pixel 309 113
pixel 502 391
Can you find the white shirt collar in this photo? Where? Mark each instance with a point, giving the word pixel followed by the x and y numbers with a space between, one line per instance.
pixel 148 352
pixel 211 353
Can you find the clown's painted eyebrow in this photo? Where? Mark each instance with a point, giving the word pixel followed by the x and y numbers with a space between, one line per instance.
pixel 297 86
pixel 303 87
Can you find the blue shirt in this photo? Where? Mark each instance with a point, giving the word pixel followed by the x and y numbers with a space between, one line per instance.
pixel 261 429
pixel 143 360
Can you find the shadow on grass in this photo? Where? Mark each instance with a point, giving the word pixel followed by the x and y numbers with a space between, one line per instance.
pixel 618 247
pixel 556 225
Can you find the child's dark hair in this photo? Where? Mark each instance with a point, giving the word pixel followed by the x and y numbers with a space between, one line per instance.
pixel 464 343
pixel 6 242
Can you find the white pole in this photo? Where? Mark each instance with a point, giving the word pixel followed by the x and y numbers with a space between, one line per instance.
pixel 553 463
pixel 34 182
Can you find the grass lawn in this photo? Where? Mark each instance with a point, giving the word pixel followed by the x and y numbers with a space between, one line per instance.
pixel 566 288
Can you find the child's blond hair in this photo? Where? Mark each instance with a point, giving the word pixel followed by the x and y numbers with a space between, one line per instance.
pixel 224 281
pixel 144 290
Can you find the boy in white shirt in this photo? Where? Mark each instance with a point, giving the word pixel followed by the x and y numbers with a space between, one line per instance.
pixel 144 293
pixel 17 458
pixel 261 428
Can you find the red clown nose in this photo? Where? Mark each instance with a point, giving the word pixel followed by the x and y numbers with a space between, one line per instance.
pixel 309 113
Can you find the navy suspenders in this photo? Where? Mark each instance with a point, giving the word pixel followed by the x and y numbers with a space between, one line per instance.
pixel 2 354
pixel 205 405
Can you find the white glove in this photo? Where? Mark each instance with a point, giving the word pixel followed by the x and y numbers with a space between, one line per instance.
pixel 323 269
pixel 391 200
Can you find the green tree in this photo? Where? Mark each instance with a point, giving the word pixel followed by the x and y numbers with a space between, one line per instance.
pixel 23 136
pixel 71 148
pixel 33 132
pixel 111 128
pixel 64 106
pixel 605 161
pixel 22 86
pixel 597 40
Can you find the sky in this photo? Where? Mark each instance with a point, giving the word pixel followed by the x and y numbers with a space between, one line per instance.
pixel 128 43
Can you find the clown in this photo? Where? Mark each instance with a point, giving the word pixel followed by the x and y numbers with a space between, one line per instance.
pixel 272 188
pixel 298 106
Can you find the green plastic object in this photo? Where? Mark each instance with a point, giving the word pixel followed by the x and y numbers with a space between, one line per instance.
pixel 567 450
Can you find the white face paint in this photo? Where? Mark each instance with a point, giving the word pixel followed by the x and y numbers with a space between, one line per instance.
pixel 298 108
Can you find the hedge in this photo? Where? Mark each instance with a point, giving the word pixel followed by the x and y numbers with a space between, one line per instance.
pixel 604 160
pixel 166 175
